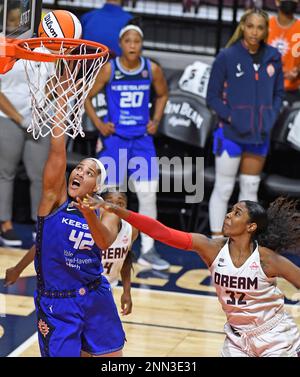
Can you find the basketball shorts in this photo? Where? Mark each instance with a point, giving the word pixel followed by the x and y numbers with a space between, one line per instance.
pixel 234 149
pixel 280 340
pixel 124 158
pixel 88 322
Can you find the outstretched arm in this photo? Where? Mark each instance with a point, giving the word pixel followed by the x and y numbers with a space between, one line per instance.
pixel 12 274
pixel 54 191
pixel 205 247
pixel 275 265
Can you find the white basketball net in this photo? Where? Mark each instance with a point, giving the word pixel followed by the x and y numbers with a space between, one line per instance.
pixel 76 77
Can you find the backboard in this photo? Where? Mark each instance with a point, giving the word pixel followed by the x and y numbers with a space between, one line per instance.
pixel 19 19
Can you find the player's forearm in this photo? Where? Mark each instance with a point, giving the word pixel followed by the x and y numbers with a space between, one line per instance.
pixel 26 260
pixel 160 104
pixel 126 280
pixel 9 110
pixel 100 233
pixel 57 153
pixel 55 167
pixel 126 274
pixel 155 229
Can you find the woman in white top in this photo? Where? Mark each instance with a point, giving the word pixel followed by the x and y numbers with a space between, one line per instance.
pixel 117 259
pixel 244 268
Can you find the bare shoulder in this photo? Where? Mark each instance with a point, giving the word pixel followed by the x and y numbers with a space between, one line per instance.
pixel 276 265
pixel 220 242
pixel 102 79
pixel 207 248
pixel 156 68
pixel 104 74
pixel 106 70
pixel 265 253
pixel 269 260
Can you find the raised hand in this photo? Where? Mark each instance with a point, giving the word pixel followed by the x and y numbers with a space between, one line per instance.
pixel 97 202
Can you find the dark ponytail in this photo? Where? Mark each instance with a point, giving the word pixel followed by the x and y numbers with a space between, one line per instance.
pixel 278 228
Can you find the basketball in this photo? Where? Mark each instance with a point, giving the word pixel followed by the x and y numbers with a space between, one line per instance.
pixel 60 24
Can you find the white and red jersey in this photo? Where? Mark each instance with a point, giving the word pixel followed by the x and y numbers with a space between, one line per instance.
pixel 114 257
pixel 248 297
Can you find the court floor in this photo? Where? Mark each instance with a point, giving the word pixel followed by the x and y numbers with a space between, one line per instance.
pixel 175 313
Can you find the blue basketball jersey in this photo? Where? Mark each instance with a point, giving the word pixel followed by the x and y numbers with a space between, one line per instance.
pixel 66 255
pixel 128 98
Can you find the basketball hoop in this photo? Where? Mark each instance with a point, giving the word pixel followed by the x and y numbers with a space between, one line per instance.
pixel 77 63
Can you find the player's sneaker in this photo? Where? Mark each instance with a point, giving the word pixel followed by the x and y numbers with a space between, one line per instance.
pixel 10 238
pixel 152 259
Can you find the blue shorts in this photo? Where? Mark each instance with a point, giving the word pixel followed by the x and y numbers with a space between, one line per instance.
pixel 235 149
pixel 88 322
pixel 129 157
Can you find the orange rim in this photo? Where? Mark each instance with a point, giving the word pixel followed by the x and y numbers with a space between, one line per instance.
pixel 17 49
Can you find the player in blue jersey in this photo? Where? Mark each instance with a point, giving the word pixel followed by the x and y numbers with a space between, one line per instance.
pixel 126 135
pixel 116 260
pixel 74 303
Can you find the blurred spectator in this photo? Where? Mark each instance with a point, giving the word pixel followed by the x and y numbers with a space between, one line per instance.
pixel 13 17
pixel 245 89
pixel 129 128
pixel 253 4
pixel 284 31
pixel 16 144
pixel 187 5
pixel 103 25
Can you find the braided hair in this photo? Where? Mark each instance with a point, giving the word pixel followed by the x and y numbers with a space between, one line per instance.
pixel 278 228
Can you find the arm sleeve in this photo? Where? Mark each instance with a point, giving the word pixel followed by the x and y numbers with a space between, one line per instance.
pixel 160 232
pixel 216 87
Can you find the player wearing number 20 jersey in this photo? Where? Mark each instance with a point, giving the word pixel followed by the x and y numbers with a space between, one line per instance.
pixel 128 98
pixel 126 145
